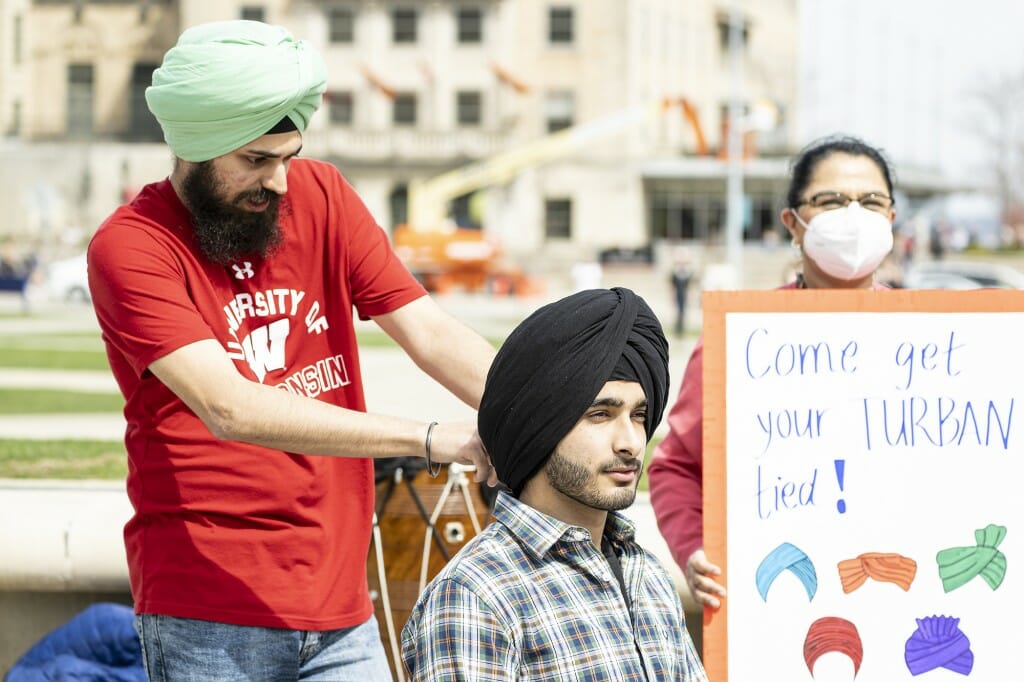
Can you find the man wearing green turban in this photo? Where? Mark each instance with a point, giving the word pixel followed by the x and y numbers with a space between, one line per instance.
pixel 227 295
pixel 226 83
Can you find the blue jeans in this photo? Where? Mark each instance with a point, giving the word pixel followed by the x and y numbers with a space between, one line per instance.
pixel 176 649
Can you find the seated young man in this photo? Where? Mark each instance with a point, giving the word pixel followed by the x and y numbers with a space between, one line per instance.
pixel 557 588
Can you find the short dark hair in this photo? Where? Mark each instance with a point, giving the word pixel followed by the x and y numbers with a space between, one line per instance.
pixel 811 155
pixel 285 125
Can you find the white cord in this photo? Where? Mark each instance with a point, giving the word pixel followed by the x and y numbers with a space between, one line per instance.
pixel 456 477
pixel 389 620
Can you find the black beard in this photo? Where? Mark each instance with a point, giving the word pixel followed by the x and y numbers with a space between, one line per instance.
pixel 225 232
pixel 579 483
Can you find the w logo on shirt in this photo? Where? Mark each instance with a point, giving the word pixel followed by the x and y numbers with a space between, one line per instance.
pixel 264 347
pixel 243 271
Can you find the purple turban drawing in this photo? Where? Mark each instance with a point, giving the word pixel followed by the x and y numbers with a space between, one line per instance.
pixel 833 634
pixel 939 643
pixel 960 565
pixel 782 558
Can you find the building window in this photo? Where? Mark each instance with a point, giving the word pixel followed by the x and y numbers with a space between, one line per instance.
pixel 404 112
pixel 696 213
pixel 15 128
pixel 468 108
pixel 144 126
pixel 559 109
pixel 339 108
pixel 673 218
pixel 80 100
pixel 341 25
pixel 403 25
pixel 724 25
pixel 398 205
pixel 560 25
pixel 467 211
pixel 253 13
pixel 558 218
pixel 17 39
pixel 469 23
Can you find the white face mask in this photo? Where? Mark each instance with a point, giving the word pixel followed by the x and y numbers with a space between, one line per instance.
pixel 847 243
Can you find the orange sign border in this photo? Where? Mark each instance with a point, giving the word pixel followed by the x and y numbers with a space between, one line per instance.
pixel 716 305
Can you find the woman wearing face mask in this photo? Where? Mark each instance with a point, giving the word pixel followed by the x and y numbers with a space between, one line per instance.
pixel 840 214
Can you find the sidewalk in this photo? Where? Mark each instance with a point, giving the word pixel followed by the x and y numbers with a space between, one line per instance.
pixel 81 381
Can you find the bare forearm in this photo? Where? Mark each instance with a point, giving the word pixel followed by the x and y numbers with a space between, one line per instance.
pixel 303 425
pixel 276 419
pixel 462 366
pixel 235 408
pixel 445 349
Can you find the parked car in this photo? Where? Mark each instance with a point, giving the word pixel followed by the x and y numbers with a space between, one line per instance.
pixel 67 280
pixel 963 275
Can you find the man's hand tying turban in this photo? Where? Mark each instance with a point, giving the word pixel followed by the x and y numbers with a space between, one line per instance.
pixel 227 83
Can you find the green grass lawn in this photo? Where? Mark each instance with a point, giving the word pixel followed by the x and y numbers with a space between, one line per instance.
pixel 647 461
pixel 79 351
pixel 66 459
pixel 47 401
pixel 49 358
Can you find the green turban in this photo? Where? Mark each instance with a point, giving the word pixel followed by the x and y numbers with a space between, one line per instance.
pixel 227 83
pixel 958 565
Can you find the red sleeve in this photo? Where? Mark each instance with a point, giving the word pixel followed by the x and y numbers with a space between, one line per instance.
pixel 379 281
pixel 140 294
pixel 676 472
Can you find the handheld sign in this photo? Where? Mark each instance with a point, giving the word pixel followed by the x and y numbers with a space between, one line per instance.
pixel 863 467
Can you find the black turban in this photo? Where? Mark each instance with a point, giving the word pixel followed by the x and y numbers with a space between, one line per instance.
pixel 553 365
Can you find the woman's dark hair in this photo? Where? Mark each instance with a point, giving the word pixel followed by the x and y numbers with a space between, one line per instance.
pixel 815 152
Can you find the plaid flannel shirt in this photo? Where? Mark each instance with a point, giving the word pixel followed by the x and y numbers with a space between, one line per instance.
pixel 532 598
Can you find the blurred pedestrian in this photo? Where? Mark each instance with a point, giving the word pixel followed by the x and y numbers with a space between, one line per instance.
pixel 586 274
pixel 680 279
pixel 937 240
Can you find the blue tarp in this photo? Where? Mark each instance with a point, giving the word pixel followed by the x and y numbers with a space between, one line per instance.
pixel 97 645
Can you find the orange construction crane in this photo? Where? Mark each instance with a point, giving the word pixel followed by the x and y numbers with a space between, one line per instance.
pixel 443 255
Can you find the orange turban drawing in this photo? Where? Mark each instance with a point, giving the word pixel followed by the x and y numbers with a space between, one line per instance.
pixel 888 568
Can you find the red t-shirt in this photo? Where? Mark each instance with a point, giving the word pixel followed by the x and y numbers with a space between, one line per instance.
pixel 224 530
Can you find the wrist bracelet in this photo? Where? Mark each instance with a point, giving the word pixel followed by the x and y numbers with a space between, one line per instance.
pixel 433 468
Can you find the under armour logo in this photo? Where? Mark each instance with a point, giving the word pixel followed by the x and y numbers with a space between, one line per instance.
pixel 243 271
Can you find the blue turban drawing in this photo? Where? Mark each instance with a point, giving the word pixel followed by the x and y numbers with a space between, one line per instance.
pixel 786 557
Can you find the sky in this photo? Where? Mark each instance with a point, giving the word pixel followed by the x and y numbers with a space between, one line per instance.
pixel 899 73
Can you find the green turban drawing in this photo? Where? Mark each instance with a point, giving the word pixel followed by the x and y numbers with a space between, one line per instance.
pixel 960 565
pixel 227 83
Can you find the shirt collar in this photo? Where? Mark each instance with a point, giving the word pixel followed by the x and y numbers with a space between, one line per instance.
pixel 539 532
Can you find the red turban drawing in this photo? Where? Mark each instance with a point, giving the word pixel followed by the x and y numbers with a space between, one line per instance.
pixel 832 634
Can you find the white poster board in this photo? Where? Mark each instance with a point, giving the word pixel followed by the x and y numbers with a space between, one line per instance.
pixel 868 508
